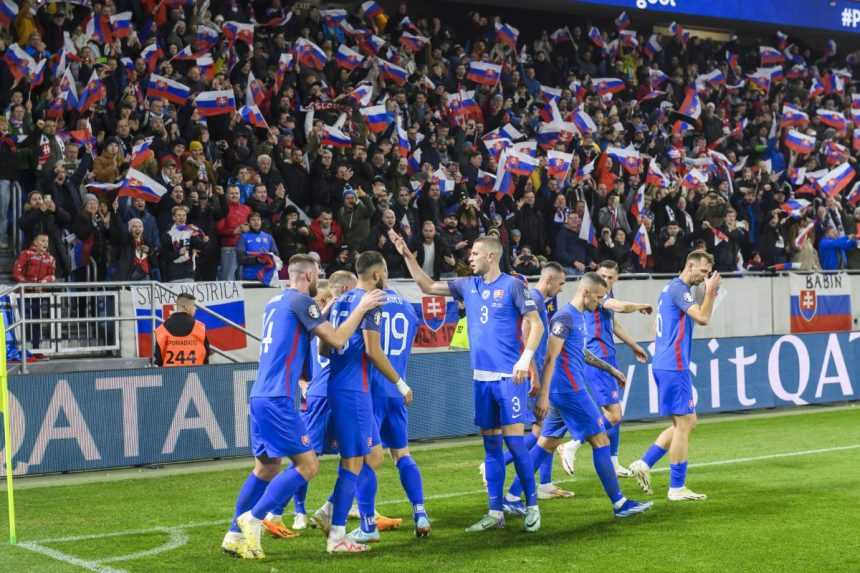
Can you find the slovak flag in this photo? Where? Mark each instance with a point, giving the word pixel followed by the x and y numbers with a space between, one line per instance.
pixel 141 152
pixel 215 102
pixel 334 137
pixel 334 16
pixel 854 196
pixel 309 54
pixel 584 123
pixel 284 64
pixel 715 78
pixel 793 116
pixel 371 44
pixel 484 73
pixel 8 13
pixel 151 54
pixel 485 183
pixel 622 21
pixel 799 142
pixel 719 236
pixel 605 86
pixel 558 164
pixel 693 179
pixel 816 88
pixel 403 145
pixel 361 95
pixel 652 47
pixel 781 39
pixel 507 35
pixel 68 91
pixel 414 162
pixel 206 38
pixel 548 134
pixel 691 105
pixel 370 10
pixel 642 245
pixel 596 37
pixel 548 93
pixel 520 163
pixel 393 72
pixel 234 31
pixel 207 66
pixel 18 61
pixel 628 157
pixel 255 90
pixel 794 207
pixel 855 140
pixel 628 38
pixel 37 74
pixel 832 118
pixel 836 180
pixel 496 146
pixel 92 93
pixel 172 91
pixel 98 27
pixel 252 115
pixel 140 186
pixel 413 42
pixel 377 118
pixel 586 228
pixel 441 178
pixel 803 235
pixel 655 175
pixel 561 36
pixel 639 201
pixel 121 24
pixel 770 56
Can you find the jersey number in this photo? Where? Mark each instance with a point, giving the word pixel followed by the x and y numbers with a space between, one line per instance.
pixel 395 331
pixel 180 357
pixel 268 323
pixel 659 320
pixel 337 319
pixel 485 314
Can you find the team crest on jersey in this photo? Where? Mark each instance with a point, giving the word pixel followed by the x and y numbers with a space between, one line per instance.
pixel 433 311
pixel 498 293
pixel 558 329
pixel 485 294
pixel 377 318
pixel 314 311
pixel 808 304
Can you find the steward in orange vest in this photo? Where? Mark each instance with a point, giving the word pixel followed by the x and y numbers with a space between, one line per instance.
pixel 181 340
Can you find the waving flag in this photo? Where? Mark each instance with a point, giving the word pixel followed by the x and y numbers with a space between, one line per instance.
pixel 206 65
pixel 172 91
pixel 216 102
pixel 484 73
pixel 393 72
pixel 18 61
pixel 832 83
pixel 334 17
pixel 679 32
pixel 441 178
pixel 596 37
pixel 652 47
pixel 413 42
pixel 414 162
pixel 121 24
pixel 98 28
pixel 403 145
pixel 37 74
pixel 8 13
pixel 586 227
pixel 548 135
pixel 561 36
pixel 832 118
pixel 496 146
pixel 816 88
pixel 642 245
pixel 334 137
pixel 370 10
pixel 520 163
pixel 469 105
pixel 141 152
pixel 836 180
pixel 371 44
pixel 138 185
pixel 628 38
pixel 205 39
pixel 585 170
pixel 558 164
pixel 628 157
pixel 485 183
pixel 855 140
pixel 151 54
pixel 834 152
pixel 655 175
pixel 694 178
pixel 309 54
pixel 285 61
pixel 238 31
pixel 92 93
pixel 715 78
pixel 622 21
pixel 794 207
pixel 800 142
pixel 803 235
pixel 377 118
pixel 605 86
pixel 68 91
pixel 760 79
pixel 361 95
pixel 256 91
pixel 584 122
pixel 510 132
pixel 854 196
pixel 793 116
pixel 186 54
pixel 548 93
pixel 507 35
pixel 692 105
pixel 770 56
pixel 252 115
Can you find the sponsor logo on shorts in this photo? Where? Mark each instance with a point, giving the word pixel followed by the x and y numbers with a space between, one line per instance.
pixel 615 393
pixel 369 441
pixel 306 440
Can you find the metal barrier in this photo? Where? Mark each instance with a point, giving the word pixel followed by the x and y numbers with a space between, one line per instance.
pixel 82 319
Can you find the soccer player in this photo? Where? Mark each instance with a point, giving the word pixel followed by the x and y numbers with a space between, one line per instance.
pixel 495 302
pixel 277 428
pixel 562 386
pixel 676 313
pixel 551 281
pixel 351 406
pixel 317 415
pixel 602 329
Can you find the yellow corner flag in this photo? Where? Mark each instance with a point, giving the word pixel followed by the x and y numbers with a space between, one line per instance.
pixel 7 433
pixel 460 340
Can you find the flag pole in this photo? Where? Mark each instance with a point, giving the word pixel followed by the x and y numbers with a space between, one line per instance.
pixel 7 434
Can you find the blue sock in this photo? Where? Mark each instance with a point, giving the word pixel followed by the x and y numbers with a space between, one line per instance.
pixel 280 489
pixel 653 455
pixel 606 472
pixel 614 434
pixel 251 492
pixel 283 507
pixel 525 469
pixel 545 471
pixel 301 495
pixel 410 479
pixel 677 474
pixel 538 456
pixel 494 468
pixel 366 493
pixel 530 440
pixel 341 498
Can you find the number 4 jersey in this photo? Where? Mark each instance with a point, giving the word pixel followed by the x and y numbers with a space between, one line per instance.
pixel 397 327
pixel 288 321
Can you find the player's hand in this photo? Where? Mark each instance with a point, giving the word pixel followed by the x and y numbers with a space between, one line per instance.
pixel 407 399
pixel 371 300
pixel 712 283
pixel 542 407
pixel 646 309
pixel 399 244
pixel 535 388
pixel 640 354
pixel 622 380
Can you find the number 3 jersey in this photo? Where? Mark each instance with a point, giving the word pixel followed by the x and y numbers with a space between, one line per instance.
pixel 493 312
pixel 349 366
pixel 288 320
pixel 398 325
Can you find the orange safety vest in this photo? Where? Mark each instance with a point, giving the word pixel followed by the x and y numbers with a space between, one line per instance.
pixel 187 350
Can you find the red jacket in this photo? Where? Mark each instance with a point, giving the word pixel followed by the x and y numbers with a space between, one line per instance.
pixel 34 267
pixel 237 215
pixel 326 251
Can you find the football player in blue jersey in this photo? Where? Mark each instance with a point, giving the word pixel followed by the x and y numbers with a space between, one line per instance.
pixel 563 388
pixel 677 310
pixel 317 415
pixel 495 303
pixel 277 428
pixel 351 404
pixel 603 327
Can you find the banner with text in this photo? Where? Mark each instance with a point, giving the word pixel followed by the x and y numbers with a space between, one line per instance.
pixel 821 302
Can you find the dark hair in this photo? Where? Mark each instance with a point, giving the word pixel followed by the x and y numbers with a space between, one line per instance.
pixel 595 279
pixel 367 261
pixel 553 266
pixel 608 264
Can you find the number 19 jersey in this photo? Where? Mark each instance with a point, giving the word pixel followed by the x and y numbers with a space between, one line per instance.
pixel 398 325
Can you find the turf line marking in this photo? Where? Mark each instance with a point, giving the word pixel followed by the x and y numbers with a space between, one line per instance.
pixel 178 538
pixel 165 528
pixel 68 559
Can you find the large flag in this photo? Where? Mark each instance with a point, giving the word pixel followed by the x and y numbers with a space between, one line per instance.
pixel 139 185
pixel 162 87
pixel 484 73
pixel 558 164
pixel 217 102
pixel 836 180
pixel 309 54
pixel 348 58
pixel 393 72
pixel 507 34
pixel 377 118
pixel 800 142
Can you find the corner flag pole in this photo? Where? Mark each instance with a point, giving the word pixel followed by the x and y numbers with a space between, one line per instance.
pixel 7 433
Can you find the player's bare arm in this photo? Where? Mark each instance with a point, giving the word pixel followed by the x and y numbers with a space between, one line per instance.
pixel 625 307
pixel 377 357
pixel 336 338
pixel 425 283
pixel 701 313
pixel 553 349
pixel 625 337
pixel 593 360
pixel 521 368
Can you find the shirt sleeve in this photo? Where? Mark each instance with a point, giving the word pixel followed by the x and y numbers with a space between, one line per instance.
pixel 372 320
pixel 682 297
pixel 458 287
pixel 561 325
pixel 522 297
pixel 307 311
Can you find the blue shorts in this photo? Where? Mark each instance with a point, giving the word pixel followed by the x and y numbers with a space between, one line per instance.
pixel 575 411
pixel 392 419
pixel 355 427
pixel 319 424
pixel 602 385
pixel 500 403
pixel 277 428
pixel 675 389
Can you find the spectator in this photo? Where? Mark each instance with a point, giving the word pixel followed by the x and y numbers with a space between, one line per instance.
pixel 613 215
pixel 134 254
pixel 91 230
pixel 8 174
pixel 107 166
pixel 196 167
pixel 354 217
pixel 525 263
pixel 257 252
pixel 570 250
pixel 35 265
pixel 833 250
pixel 231 224
pixel 292 235
pixel 326 237
pixel 180 247
pixel 42 216
pixel 614 247
pixel 530 222
pixel 670 252
pixel 379 241
pixel 433 253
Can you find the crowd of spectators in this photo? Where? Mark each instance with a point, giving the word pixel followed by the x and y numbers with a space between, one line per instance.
pixel 311 174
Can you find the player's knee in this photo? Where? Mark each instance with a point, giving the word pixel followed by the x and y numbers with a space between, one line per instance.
pixel 352 465
pixel 398 454
pixel 309 468
pixel 599 440
pixel 374 458
pixel 613 416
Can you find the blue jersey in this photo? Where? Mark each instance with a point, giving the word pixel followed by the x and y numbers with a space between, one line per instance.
pixel 397 332
pixel 568 376
pixel 493 312
pixel 543 310
pixel 288 320
pixel 350 366
pixel 674 327
pixel 551 306
pixel 601 331
pixel 319 370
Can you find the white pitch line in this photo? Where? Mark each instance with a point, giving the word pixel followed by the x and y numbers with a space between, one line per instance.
pixel 68 559
pixel 178 538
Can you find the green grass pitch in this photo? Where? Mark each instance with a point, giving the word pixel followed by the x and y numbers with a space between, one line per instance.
pixel 784 495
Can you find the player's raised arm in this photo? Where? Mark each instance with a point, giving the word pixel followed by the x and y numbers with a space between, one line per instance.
pixel 625 337
pixel 593 360
pixel 425 283
pixel 625 307
pixel 336 338
pixel 373 348
pixel 702 313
